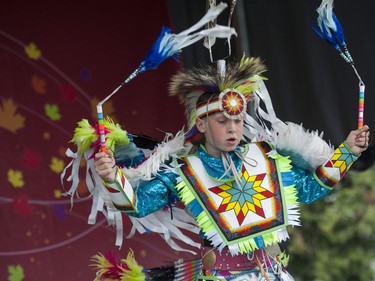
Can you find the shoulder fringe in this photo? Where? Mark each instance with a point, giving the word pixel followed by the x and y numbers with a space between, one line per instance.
pixel 170 229
pixel 170 148
pixel 160 222
pixel 98 193
pixel 307 149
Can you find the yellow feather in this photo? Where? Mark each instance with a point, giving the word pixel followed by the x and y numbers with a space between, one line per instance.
pixel 84 135
pixel 101 264
pixel 116 135
pixel 135 272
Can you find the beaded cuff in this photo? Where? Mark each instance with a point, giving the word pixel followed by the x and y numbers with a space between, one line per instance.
pixel 332 171
pixel 121 193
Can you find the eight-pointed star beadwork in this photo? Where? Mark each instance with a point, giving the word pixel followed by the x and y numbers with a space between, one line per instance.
pixel 245 198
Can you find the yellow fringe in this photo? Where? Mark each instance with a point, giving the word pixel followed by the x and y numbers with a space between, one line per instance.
pixel 135 272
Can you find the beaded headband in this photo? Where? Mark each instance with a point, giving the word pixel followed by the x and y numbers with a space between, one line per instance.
pixel 230 102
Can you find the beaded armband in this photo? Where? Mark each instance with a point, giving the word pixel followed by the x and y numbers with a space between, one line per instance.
pixel 332 171
pixel 121 193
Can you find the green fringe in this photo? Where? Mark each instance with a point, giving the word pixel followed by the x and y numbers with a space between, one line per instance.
pixel 284 258
pixel 185 194
pixel 283 164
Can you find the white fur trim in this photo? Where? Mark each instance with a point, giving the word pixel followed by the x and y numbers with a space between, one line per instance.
pixel 309 145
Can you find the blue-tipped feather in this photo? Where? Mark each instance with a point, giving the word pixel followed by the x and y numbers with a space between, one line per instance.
pixel 162 49
pixel 330 29
pixel 339 33
pixel 168 45
pixel 324 33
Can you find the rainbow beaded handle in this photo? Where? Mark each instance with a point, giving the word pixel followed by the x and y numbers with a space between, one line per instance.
pixel 99 109
pixel 361 104
pixel 361 98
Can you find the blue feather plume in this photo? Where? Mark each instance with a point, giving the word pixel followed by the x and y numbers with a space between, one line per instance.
pixel 162 49
pixel 339 33
pixel 324 33
pixel 169 45
pixel 330 29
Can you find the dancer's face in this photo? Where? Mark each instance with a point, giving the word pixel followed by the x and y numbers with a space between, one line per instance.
pixel 221 133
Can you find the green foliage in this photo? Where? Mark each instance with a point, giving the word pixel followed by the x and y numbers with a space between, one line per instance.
pixel 337 237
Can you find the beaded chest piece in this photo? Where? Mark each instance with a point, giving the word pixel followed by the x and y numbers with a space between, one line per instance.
pixel 246 215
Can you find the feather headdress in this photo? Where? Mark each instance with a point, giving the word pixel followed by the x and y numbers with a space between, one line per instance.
pixel 241 75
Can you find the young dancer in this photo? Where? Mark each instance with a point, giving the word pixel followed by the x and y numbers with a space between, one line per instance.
pixel 240 172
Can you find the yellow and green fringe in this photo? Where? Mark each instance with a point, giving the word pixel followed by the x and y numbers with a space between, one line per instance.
pixel 85 135
pixel 127 270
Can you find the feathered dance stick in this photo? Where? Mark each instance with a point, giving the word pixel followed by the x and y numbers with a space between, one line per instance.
pixel 110 267
pixel 330 29
pixel 168 45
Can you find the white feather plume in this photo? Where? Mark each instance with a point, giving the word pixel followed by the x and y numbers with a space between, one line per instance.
pixel 304 147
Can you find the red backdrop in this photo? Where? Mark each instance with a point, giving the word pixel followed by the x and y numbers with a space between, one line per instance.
pixel 57 60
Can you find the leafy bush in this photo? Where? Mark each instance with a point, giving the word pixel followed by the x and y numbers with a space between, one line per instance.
pixel 337 237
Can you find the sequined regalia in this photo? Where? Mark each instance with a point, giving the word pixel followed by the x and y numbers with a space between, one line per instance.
pixel 236 217
pixel 242 222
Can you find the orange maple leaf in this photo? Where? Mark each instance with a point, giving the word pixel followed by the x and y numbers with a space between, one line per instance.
pixel 9 119
pixel 38 84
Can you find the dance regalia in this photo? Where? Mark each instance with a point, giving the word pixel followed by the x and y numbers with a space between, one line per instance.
pixel 241 212
pixel 243 222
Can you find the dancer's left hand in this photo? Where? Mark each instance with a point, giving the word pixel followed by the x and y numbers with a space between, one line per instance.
pixel 358 140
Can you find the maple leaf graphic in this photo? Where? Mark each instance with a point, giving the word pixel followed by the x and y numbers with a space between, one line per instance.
pixel 32 51
pixel 31 160
pixel 15 177
pixel 69 92
pixel 15 273
pixel 38 84
pixel 57 165
pixel 52 111
pixel 85 74
pixel 21 205
pixel 9 119
pixel 57 193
